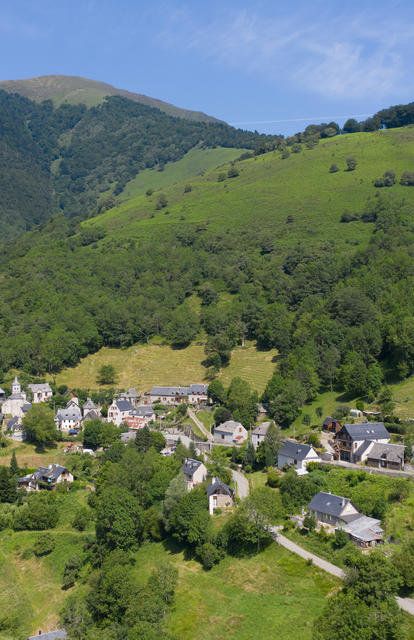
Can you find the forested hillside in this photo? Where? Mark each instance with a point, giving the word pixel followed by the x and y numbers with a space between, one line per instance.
pixel 314 262
pixel 74 159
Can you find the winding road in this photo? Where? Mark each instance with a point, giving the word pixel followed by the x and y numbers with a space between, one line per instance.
pixel 242 484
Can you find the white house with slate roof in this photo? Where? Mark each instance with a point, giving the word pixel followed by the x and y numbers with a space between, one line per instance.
pixel 69 419
pixel 230 432
pixel 40 392
pixel 195 472
pixel 341 513
pixel 259 434
pixel 194 394
pixel 118 411
pixel 294 454
pixel 45 478
pixel 131 395
pixel 354 440
pixel 90 406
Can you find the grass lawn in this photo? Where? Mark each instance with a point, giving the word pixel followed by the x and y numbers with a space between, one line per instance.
pixel 28 456
pixel 250 598
pixel 143 366
pixel 206 417
pixel 194 428
pixel 257 479
pixel 31 594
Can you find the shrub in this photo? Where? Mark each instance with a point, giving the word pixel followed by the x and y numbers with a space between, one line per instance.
pixel 340 539
pixel 81 519
pixel 333 168
pixel 347 216
pixel 387 179
pixel 285 154
pixel 209 555
pixel 273 478
pixel 149 192
pixel 233 172
pixel 289 219
pixel 188 188
pixel 407 179
pixel 296 148
pixel 351 164
pixel 309 522
pixel 71 572
pixel 44 545
pixel 221 177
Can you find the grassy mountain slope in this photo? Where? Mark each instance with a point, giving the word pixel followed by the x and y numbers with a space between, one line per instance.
pixel 76 90
pixel 269 189
pixel 195 163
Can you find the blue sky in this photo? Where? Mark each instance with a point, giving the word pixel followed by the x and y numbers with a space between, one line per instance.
pixel 274 66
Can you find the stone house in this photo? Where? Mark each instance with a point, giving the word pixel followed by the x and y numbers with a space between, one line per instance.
pixel 259 434
pixel 68 420
pixel 230 432
pixel 296 455
pixel 131 396
pixel 386 456
pixel 195 472
pixel 220 495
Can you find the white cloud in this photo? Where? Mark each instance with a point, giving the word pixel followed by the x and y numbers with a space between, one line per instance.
pixel 329 55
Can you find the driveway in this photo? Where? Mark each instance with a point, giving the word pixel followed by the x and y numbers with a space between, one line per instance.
pixel 318 562
pixel 242 484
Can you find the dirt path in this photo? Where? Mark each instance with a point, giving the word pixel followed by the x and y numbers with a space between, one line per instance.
pixel 199 424
pixel 242 484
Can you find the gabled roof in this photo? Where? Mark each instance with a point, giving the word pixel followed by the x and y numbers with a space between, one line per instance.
pixel 328 420
pixel 143 411
pixel 216 484
pixel 366 431
pixel 89 405
pixel 68 414
pixel 261 430
pixel 198 388
pixel 44 387
pixel 13 423
pixel 26 407
pixel 230 426
pixel 292 449
pixel 329 503
pixel 49 473
pixel 127 436
pixel 364 528
pixel 124 405
pixel 132 393
pixel 390 452
pixel 190 466
pixel 169 391
pixel 92 415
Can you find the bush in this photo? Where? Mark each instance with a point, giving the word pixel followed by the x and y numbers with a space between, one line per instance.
pixel 340 539
pixel 273 478
pixel 351 164
pixel 81 519
pixel 407 179
pixel 221 177
pixel 296 148
pixel 388 179
pixel 347 216
pixel 71 572
pixel 188 188
pixel 44 545
pixel 233 172
pixel 149 192
pixel 333 168
pixel 309 522
pixel 209 555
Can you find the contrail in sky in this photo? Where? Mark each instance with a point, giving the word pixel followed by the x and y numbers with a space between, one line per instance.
pixel 358 115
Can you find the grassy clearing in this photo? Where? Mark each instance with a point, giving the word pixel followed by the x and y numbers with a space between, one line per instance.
pixel 250 598
pixel 143 366
pixel 28 456
pixel 257 479
pixel 206 417
pixel 30 587
pixel 193 164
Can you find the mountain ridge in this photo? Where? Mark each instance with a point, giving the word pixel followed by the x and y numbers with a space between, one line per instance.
pixel 64 89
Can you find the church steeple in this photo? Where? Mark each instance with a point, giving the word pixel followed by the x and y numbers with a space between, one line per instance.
pixel 16 386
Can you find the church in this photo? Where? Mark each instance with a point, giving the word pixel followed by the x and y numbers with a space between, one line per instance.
pixel 16 405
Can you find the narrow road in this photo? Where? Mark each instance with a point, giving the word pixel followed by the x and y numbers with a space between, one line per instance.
pixel 316 560
pixel 199 424
pixel 242 484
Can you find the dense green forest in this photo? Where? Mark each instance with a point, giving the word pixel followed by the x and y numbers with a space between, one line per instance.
pixel 73 159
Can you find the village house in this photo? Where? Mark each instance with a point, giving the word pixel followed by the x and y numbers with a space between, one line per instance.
pixel 118 411
pixel 341 513
pixel 296 455
pixel 92 415
pixel 259 434
pixel 45 478
pixel 40 392
pixel 69 420
pixel 230 432
pixel 354 440
pixel 194 394
pixel 16 405
pixel 332 425
pixel 140 416
pixel 195 472
pixel 386 456
pixel 220 495
pixel 15 430
pixel 131 396
pixel 90 406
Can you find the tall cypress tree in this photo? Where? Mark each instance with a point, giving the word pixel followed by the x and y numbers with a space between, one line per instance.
pixel 14 467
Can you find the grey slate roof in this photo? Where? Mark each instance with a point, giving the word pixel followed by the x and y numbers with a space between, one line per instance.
pixel 45 474
pixel 169 391
pixel 59 634
pixel 328 503
pixel 190 466
pixel 390 452
pixel 128 436
pixel 366 431
pixel 40 387
pixel 218 484
pixel 230 426
pixel 92 415
pixel 26 407
pixel 295 450
pixel 198 388
pixel 143 411
pixel 89 405
pixel 124 405
pixel 132 393
pixel 13 423
pixel 261 430
pixel 68 414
